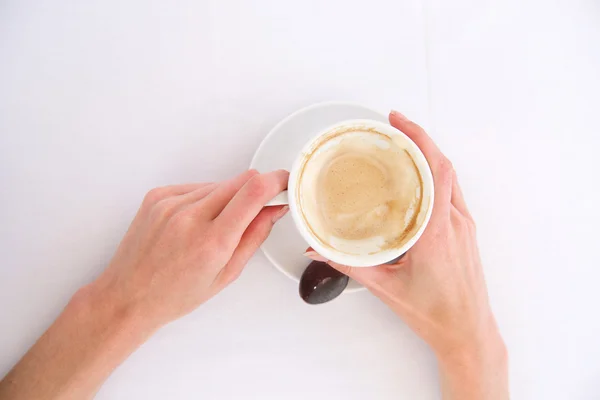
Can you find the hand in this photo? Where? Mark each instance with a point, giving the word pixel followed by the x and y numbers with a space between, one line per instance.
pixel 438 287
pixel 187 242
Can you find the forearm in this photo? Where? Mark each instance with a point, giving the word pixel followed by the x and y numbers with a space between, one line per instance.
pixel 477 374
pixel 90 338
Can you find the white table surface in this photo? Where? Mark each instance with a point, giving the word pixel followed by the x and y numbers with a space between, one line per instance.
pixel 102 100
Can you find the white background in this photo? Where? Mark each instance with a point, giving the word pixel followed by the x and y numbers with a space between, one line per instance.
pixel 102 100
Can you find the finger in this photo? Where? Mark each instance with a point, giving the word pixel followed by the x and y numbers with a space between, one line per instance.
pixel 366 276
pixel 441 168
pixel 369 277
pixel 213 204
pixel 171 205
pixel 251 199
pixel 457 198
pixel 160 193
pixel 418 135
pixel 313 255
pixel 256 233
pixel 192 197
pixel 388 282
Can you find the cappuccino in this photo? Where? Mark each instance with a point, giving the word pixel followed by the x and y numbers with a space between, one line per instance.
pixel 360 191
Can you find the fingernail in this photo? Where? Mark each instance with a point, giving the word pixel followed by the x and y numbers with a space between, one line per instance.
pixel 313 255
pixel 281 213
pixel 399 115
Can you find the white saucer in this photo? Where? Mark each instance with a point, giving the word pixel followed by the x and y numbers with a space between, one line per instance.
pixel 285 247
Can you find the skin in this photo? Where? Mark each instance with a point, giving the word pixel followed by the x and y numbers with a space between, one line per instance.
pixel 188 242
pixel 439 290
pixel 185 245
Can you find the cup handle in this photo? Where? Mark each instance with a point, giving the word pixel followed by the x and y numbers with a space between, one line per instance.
pixel 280 200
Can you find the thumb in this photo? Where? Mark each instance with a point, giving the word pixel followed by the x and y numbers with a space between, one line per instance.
pixel 256 233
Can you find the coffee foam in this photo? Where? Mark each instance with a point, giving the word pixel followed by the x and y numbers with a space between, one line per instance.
pixel 360 192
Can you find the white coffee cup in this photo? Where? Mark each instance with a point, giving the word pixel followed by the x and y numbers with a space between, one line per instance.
pixel 365 259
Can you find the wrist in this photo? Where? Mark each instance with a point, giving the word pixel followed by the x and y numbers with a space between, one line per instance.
pixel 123 302
pixel 473 346
pixel 476 372
pixel 113 320
pixel 490 350
pixel 90 338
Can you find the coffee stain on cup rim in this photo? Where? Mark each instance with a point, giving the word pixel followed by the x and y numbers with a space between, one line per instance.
pixel 333 134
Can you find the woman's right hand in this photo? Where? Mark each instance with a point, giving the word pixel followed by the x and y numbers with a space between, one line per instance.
pixel 438 287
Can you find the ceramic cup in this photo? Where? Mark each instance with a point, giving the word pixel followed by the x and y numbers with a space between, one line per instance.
pixel 366 258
